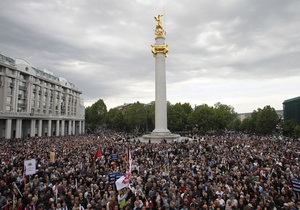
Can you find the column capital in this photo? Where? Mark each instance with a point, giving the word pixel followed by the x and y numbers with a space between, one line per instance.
pixel 160 49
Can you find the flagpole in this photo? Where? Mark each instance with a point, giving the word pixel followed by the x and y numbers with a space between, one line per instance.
pixel 56 193
pixel 14 201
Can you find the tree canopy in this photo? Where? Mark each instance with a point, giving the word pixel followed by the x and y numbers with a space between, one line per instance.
pixel 139 118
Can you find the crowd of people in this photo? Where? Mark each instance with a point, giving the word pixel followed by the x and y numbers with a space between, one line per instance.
pixel 232 171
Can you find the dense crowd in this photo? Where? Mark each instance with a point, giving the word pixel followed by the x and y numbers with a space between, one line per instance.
pixel 232 171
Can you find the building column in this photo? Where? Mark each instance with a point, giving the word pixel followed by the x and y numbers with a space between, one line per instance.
pixel 74 127
pixel 83 127
pixel 32 128
pixel 70 127
pixel 40 128
pixel 62 127
pixel 19 128
pixel 57 128
pixel 80 122
pixel 8 129
pixel 49 127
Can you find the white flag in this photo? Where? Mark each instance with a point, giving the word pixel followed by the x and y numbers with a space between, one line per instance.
pixel 123 181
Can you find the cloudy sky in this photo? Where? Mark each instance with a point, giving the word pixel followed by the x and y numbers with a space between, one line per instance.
pixel 241 53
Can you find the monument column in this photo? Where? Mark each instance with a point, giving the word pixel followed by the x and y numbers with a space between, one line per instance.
pixel 160 52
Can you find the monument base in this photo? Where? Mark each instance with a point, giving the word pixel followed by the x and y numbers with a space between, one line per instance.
pixel 159 137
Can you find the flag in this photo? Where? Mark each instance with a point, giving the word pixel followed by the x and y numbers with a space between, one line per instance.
pixel 295 185
pixel 98 154
pixel 166 164
pixel 123 181
pixel 52 157
pixel 24 176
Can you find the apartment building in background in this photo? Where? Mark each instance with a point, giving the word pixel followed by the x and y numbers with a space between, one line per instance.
pixel 34 102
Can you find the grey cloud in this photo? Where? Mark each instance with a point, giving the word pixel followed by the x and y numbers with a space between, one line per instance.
pixel 106 44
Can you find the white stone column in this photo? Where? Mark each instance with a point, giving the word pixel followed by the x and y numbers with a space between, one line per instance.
pixel 69 127
pixel 74 127
pixel 83 127
pixel 32 128
pixel 160 91
pixel 62 127
pixel 8 128
pixel 40 127
pixel 49 128
pixel 80 122
pixel 19 128
pixel 57 128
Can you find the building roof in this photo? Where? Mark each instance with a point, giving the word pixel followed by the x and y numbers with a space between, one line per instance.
pixel 292 99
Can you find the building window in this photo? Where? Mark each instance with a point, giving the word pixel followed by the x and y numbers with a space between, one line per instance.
pixel 9 91
pixel 8 108
pixel 22 76
pixel 11 72
pixel 22 83
pixel 8 100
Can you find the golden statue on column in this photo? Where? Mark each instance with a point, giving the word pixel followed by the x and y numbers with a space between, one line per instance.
pixel 160 33
pixel 159 30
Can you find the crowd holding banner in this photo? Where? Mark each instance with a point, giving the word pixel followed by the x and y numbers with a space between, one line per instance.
pixel 232 171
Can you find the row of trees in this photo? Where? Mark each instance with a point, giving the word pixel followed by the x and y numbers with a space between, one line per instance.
pixel 139 118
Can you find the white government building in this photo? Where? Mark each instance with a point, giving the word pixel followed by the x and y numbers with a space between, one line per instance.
pixel 34 102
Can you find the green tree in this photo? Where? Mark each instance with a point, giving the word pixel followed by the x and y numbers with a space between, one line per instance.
pixel 176 117
pixel 150 123
pixel 252 121
pixel 115 119
pixel 297 131
pixel 136 117
pixel 187 112
pixel 224 116
pixel 288 127
pixel 202 118
pixel 266 121
pixel 244 127
pixel 235 125
pixel 95 116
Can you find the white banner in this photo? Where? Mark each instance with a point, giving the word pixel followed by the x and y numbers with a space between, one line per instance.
pixel 123 181
pixel 29 166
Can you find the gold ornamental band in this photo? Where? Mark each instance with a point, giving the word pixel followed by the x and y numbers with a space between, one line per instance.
pixel 160 49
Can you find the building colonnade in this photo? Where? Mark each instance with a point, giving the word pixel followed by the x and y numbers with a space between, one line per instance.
pixel 22 128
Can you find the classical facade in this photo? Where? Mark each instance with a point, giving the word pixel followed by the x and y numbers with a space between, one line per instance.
pixel 34 102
